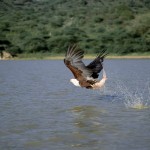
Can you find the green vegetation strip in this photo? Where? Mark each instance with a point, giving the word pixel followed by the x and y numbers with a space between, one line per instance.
pixel 49 26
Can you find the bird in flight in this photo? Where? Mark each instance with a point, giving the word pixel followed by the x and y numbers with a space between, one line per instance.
pixel 85 76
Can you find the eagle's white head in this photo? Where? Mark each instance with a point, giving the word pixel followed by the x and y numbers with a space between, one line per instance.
pixel 75 82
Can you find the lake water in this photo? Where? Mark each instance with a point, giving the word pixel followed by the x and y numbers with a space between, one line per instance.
pixel 41 110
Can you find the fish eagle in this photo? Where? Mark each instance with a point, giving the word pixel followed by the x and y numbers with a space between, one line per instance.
pixel 85 76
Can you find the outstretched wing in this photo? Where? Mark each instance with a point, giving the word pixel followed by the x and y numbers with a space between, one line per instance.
pixel 73 60
pixel 97 64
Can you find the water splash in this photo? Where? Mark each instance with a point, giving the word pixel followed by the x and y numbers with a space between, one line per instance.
pixel 135 100
pixel 136 104
pixel 139 99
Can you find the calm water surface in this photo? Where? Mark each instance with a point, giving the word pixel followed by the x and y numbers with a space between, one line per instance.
pixel 41 110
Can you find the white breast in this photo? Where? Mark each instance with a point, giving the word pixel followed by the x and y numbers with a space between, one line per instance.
pixel 99 84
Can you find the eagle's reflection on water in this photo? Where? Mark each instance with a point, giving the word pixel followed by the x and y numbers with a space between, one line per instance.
pixel 88 125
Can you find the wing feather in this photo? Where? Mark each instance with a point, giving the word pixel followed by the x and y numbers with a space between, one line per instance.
pixel 97 64
pixel 73 58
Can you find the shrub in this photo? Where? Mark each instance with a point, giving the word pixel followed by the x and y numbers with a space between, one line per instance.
pixel 98 19
pixel 58 44
pixel 124 12
pixel 14 50
pixel 57 22
pixel 35 45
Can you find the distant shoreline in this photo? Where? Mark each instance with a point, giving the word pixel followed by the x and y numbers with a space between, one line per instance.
pixel 108 57
pixel 86 57
pixel 48 56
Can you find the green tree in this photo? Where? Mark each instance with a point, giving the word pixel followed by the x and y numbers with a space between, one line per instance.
pixel 35 45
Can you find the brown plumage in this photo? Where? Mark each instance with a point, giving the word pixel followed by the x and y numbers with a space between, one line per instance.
pixel 85 76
